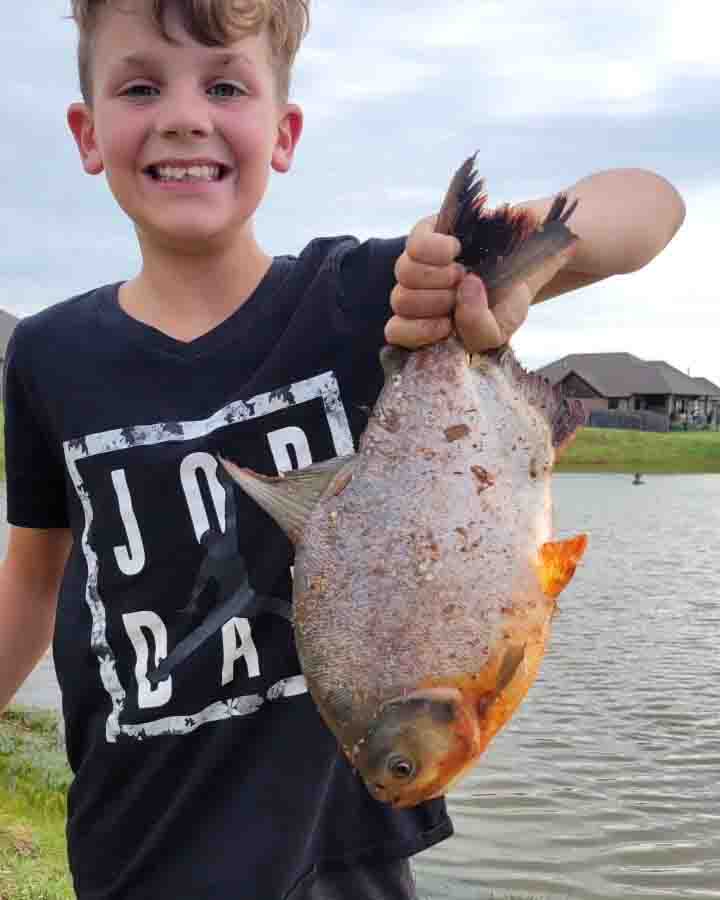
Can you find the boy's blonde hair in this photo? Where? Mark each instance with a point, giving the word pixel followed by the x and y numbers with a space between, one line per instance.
pixel 213 23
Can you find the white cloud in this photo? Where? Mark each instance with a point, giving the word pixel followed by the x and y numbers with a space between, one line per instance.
pixel 689 35
pixel 338 79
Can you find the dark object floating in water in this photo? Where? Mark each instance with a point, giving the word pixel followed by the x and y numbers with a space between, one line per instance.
pixel 638 478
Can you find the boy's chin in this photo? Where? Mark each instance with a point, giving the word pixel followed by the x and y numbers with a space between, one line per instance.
pixel 189 238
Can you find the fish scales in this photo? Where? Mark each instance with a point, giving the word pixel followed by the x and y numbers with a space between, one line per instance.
pixel 425 571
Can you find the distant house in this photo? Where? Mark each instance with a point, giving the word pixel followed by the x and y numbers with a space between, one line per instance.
pixel 624 383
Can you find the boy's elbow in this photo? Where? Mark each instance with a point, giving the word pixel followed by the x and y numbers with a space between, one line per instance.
pixel 665 212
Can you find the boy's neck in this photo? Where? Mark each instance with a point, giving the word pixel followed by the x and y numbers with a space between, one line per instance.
pixel 186 295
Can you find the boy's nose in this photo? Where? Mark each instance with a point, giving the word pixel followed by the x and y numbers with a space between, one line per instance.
pixel 184 117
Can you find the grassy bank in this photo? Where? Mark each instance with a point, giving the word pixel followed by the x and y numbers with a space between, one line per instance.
pixel 34 778
pixel 614 450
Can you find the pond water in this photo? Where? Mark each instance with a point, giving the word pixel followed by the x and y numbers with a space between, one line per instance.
pixel 606 784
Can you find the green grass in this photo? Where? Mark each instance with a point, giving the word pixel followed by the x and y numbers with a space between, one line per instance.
pixel 34 777
pixel 615 450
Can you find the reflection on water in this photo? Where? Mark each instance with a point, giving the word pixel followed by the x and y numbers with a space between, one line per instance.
pixel 606 784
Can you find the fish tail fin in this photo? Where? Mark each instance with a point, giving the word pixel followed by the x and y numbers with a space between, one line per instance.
pixel 504 244
pixel 485 235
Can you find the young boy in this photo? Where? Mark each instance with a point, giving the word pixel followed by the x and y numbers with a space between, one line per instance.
pixel 220 781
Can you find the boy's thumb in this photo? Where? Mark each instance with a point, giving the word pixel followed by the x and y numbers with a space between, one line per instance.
pixel 471 291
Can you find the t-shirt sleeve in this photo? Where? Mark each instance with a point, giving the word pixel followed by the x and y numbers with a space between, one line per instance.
pixel 35 480
pixel 367 277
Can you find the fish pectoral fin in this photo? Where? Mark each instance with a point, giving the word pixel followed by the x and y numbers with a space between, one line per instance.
pixel 558 561
pixel 511 662
pixel 338 703
pixel 291 498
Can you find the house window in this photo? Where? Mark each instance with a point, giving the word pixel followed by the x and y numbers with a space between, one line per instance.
pixel 613 403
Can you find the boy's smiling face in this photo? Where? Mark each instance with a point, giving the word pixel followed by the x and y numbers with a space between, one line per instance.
pixel 186 134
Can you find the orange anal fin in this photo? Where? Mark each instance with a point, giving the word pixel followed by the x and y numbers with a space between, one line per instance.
pixel 557 563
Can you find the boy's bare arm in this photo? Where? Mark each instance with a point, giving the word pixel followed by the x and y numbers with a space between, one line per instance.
pixel 624 219
pixel 30 578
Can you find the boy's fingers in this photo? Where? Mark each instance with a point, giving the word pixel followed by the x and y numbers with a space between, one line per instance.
pixel 413 304
pixel 476 324
pixel 425 245
pixel 424 277
pixel 483 329
pixel 415 333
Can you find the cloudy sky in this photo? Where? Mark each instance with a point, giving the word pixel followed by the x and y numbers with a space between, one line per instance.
pixel 396 94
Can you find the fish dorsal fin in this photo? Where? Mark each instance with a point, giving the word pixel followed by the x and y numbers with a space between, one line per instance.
pixel 290 498
pixel 558 561
pixel 564 414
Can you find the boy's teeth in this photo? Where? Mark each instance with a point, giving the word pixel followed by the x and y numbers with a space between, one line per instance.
pixel 188 173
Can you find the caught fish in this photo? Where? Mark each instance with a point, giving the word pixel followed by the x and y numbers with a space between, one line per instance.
pixel 426 574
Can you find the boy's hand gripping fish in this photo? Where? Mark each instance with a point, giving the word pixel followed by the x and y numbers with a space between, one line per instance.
pixel 425 570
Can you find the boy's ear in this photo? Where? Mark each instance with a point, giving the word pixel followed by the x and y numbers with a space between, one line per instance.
pixel 289 131
pixel 80 120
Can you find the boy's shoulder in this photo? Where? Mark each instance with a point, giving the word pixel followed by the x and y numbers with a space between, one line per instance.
pixel 63 314
pixel 355 267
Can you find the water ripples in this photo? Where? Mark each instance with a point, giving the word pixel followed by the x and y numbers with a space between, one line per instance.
pixel 606 785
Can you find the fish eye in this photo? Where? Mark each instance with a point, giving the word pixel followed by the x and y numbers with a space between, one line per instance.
pixel 400 767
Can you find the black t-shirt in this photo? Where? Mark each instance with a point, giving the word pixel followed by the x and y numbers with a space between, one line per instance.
pixel 220 781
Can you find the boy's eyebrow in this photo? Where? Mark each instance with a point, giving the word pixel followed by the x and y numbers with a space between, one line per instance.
pixel 227 58
pixel 133 60
pixel 139 61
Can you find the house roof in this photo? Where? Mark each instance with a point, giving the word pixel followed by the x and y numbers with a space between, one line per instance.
pixel 622 375
pixel 679 382
pixel 610 374
pixel 707 388
pixel 7 326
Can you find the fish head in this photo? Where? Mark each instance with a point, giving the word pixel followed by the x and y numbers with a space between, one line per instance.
pixel 417 745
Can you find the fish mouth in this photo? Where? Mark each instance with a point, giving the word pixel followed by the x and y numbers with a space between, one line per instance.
pixel 384 795
pixel 404 798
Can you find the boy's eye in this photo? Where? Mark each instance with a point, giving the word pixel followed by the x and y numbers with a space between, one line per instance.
pixel 227 89
pixel 140 90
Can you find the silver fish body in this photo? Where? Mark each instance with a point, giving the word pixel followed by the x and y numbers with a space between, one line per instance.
pixel 425 570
